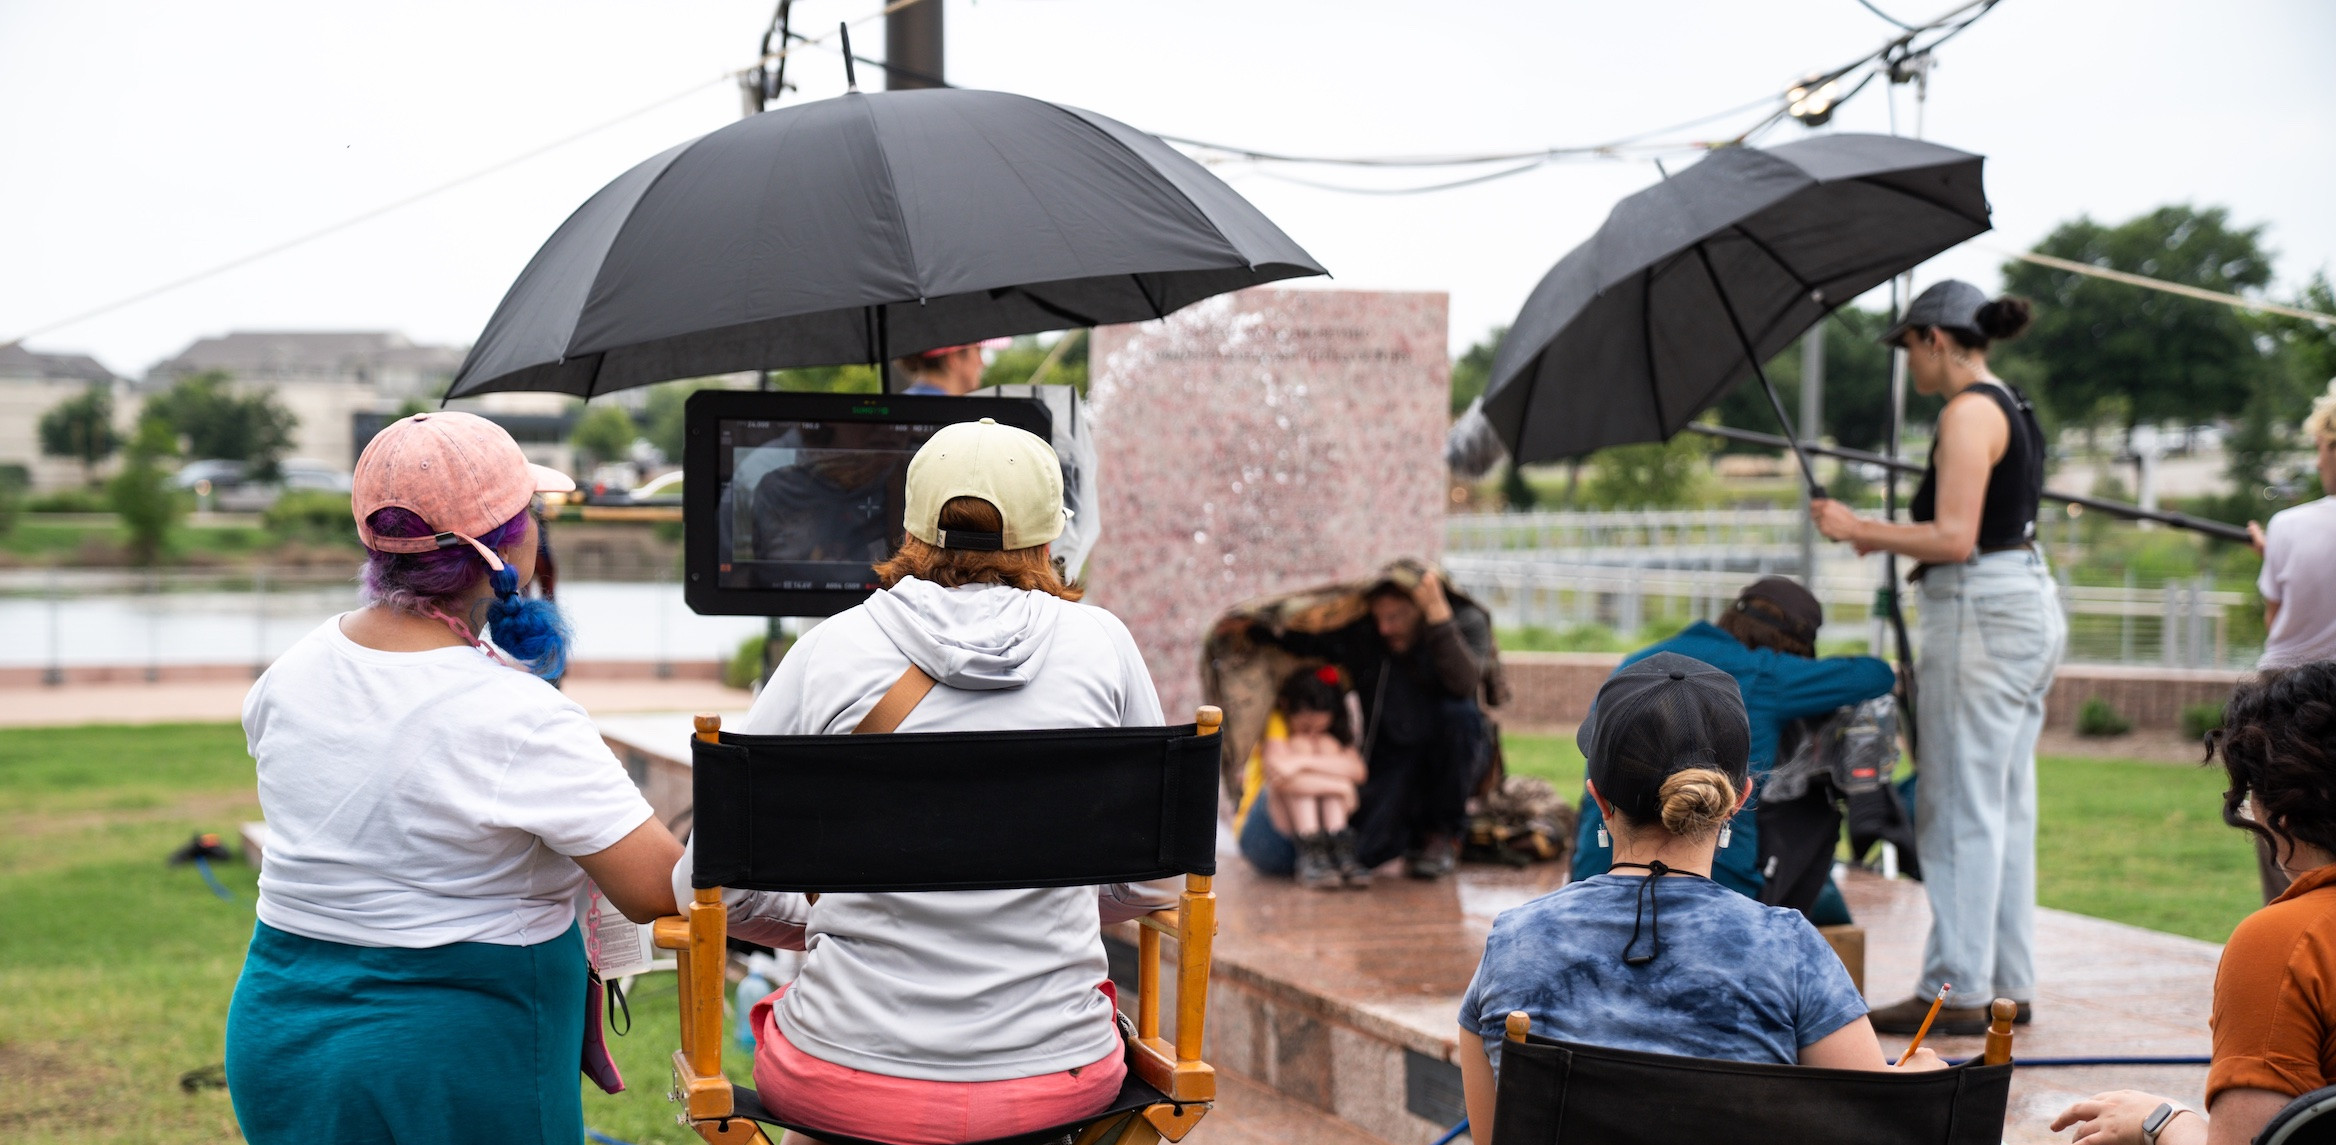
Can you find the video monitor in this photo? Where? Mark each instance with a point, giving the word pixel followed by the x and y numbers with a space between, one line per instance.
pixel 790 499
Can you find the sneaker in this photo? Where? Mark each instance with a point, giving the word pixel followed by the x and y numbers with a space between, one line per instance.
pixel 1350 869
pixel 1316 869
pixel 1953 1021
pixel 1435 857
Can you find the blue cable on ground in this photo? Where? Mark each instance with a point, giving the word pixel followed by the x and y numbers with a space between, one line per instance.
pixel 599 1138
pixel 1451 1133
pixel 218 888
pixel 2047 1063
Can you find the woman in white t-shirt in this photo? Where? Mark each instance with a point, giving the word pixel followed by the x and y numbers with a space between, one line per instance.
pixel 2299 595
pixel 434 806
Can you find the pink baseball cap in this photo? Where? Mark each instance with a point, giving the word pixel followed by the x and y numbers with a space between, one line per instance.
pixel 457 471
pixel 986 344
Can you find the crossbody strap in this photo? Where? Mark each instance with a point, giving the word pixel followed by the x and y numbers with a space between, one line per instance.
pixel 897 702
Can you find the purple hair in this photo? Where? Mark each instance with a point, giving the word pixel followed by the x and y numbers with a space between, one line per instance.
pixel 413 582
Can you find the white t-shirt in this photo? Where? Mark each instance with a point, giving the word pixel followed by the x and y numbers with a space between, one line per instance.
pixel 419 799
pixel 2299 574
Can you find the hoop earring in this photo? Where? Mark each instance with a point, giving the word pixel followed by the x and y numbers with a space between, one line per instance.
pixel 1727 834
pixel 1605 840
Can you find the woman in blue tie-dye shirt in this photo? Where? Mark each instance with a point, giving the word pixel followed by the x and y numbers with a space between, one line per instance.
pixel 1653 955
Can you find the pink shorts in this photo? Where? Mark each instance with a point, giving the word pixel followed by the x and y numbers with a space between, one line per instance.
pixel 819 1094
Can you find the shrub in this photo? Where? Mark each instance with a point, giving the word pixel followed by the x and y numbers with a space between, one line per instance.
pixel 748 666
pixel 2098 718
pixel 70 501
pixel 2199 719
pixel 312 515
pixel 13 480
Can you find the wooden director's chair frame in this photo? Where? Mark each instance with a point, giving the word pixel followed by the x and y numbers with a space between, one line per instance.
pixel 1171 1065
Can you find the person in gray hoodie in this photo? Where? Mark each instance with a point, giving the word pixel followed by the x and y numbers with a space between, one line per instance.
pixel 914 1010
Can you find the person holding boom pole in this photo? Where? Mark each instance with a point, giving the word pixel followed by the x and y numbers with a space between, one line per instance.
pixel 1992 633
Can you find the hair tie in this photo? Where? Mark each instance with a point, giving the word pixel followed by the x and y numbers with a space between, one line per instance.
pixel 1328 674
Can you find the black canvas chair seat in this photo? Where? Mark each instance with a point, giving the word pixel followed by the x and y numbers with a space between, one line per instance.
pixel 1133 1095
pixel 949 811
pixel 1558 1093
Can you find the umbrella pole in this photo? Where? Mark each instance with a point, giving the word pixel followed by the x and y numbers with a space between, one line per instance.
pixel 1808 471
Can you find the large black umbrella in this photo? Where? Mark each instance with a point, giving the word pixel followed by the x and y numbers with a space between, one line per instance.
pixel 1695 281
pixel 869 226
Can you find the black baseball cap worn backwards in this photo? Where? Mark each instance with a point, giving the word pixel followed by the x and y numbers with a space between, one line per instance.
pixel 1657 717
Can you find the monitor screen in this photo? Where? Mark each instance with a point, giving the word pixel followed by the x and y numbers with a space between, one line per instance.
pixel 802 494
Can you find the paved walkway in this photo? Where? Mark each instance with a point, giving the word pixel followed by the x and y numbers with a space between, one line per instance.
pixel 207 701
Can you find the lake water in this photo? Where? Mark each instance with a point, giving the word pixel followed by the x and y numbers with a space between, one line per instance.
pixel 611 621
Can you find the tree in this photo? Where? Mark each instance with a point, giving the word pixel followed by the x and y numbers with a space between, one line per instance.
pixel 1472 370
pixel 1656 475
pixel 605 433
pixel 220 422
pixel 82 428
pixel 1857 386
pixel 2105 348
pixel 1015 364
pixel 141 494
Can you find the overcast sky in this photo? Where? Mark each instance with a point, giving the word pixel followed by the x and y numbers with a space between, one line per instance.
pixel 144 141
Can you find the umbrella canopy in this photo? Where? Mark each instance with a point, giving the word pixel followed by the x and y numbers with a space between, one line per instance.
pixel 870 226
pixel 1693 282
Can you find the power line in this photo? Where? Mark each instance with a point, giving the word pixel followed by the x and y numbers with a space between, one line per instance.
pixel 2182 288
pixel 1869 6
pixel 418 196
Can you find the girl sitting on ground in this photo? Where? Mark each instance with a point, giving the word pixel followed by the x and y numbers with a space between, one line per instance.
pixel 1653 955
pixel 1308 772
pixel 2274 1019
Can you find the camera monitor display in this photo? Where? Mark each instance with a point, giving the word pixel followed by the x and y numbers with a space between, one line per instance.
pixel 790 499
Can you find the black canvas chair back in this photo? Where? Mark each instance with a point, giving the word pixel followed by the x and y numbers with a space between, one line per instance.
pixel 947 811
pixel 2308 1120
pixel 1561 1093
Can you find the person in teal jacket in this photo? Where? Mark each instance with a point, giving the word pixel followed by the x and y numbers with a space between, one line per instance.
pixel 1767 640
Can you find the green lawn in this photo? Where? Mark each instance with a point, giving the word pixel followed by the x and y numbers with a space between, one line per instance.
pixel 2142 843
pixel 115 969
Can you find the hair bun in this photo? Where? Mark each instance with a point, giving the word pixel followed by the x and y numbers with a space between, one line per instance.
pixel 1696 800
pixel 2005 317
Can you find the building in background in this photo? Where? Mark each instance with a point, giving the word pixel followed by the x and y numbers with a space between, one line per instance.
pixel 33 383
pixel 326 378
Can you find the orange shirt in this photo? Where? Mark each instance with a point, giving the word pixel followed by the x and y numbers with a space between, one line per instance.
pixel 2275 995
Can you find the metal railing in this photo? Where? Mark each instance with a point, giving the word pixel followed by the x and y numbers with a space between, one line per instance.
pixel 2182 623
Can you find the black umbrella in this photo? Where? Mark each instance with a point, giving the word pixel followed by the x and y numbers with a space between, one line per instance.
pixel 865 227
pixel 1695 281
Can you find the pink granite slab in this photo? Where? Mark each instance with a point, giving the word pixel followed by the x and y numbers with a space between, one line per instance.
pixel 1259 442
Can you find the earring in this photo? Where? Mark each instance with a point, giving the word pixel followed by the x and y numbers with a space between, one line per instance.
pixel 1727 833
pixel 1604 840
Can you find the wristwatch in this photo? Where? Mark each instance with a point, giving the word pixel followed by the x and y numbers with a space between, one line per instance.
pixel 2157 1121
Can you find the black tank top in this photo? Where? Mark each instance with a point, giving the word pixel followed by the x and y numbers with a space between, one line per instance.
pixel 2007 515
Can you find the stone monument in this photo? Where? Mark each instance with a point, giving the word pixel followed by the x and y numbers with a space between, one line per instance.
pixel 1260 442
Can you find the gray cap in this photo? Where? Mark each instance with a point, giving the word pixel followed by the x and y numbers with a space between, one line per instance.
pixel 1951 302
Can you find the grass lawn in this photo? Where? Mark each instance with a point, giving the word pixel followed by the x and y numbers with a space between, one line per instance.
pixel 115 969
pixel 2142 843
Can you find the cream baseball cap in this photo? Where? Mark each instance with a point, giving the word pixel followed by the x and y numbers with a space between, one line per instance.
pixel 1012 469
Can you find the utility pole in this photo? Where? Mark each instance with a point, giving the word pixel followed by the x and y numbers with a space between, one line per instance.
pixel 912 46
pixel 1812 429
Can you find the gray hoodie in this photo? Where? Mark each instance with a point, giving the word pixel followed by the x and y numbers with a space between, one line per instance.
pixel 959 985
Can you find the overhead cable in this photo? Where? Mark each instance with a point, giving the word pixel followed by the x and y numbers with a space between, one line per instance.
pixel 2184 289
pixel 441 188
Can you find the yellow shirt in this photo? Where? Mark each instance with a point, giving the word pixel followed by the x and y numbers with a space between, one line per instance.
pixel 1253 776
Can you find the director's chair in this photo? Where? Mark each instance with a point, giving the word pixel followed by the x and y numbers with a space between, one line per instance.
pixel 958 811
pixel 1552 1091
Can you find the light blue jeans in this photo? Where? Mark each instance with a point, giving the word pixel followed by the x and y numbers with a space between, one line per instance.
pixel 1992 633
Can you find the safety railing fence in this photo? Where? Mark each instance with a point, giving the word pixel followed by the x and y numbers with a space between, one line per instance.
pixel 2182 623
pixel 132 619
pixel 1554 530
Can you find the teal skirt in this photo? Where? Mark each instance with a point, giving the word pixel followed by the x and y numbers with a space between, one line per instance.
pixel 471 1042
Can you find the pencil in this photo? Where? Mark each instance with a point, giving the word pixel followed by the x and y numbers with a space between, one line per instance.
pixel 1927 1019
